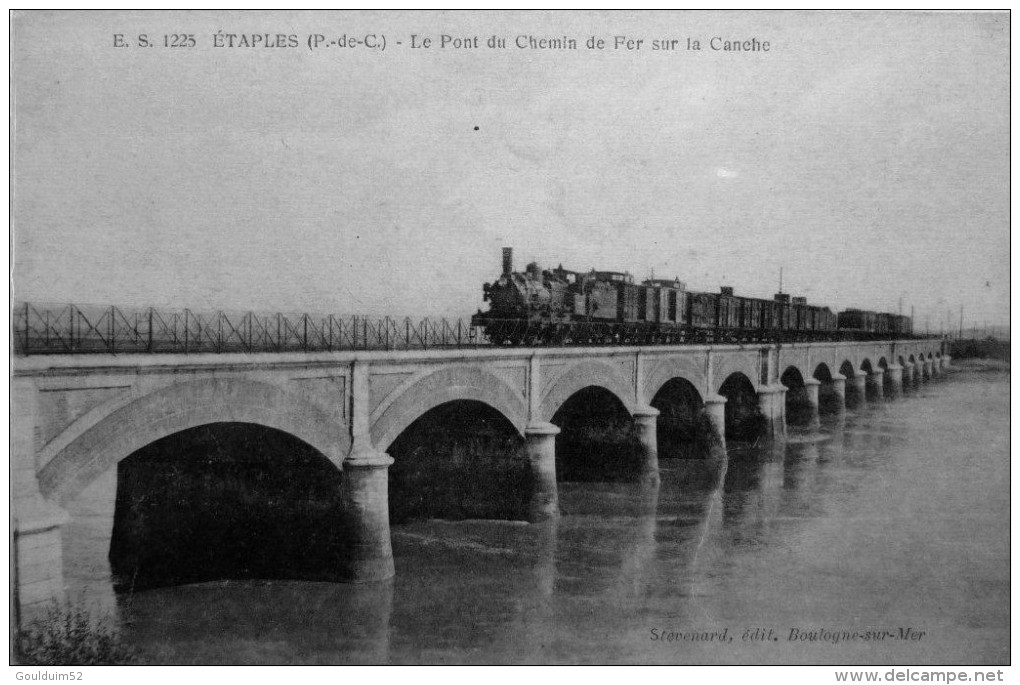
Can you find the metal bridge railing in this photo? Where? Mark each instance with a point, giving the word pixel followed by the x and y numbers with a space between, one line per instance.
pixel 74 329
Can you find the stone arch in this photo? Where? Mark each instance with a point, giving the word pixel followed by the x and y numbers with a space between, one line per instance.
pixel 866 366
pixel 582 375
pixel 741 406
pixel 798 407
pixel 848 370
pixel 882 363
pixel 433 388
pixel 677 430
pixel 822 373
pixel 912 360
pixel 101 441
pixel 688 384
pixel 938 355
pixel 793 374
pixel 659 374
pixel 728 366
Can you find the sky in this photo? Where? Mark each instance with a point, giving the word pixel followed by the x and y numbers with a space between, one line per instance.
pixel 866 154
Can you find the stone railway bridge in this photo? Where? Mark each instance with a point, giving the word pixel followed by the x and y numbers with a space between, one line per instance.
pixel 75 417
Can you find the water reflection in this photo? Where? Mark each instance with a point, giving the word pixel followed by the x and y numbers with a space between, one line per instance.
pixel 262 622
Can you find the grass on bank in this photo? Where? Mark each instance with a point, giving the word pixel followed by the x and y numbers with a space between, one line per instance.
pixel 69 635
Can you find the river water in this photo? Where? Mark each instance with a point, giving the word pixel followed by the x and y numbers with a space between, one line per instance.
pixel 891 521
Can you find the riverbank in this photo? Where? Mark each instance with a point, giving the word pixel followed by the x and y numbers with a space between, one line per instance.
pixel 981 365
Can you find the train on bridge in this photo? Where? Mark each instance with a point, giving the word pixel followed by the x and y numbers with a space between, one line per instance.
pixel 558 306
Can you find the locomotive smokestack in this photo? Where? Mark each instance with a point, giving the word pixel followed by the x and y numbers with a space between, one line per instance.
pixel 508 261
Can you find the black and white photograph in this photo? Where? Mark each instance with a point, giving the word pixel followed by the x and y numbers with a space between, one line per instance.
pixel 511 338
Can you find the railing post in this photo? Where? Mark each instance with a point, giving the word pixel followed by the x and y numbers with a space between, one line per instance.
pixel 27 328
pixel 113 329
pixel 364 334
pixel 330 322
pixel 148 347
pixel 187 331
pixel 305 322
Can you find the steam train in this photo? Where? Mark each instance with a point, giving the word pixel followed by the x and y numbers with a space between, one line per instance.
pixel 558 306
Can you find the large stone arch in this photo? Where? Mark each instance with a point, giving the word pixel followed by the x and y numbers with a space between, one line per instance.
pixel 98 440
pixel 430 389
pixel 727 367
pixel 687 367
pixel 654 390
pixel 582 375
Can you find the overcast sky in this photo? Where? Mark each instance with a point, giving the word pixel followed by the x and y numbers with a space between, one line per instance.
pixel 866 154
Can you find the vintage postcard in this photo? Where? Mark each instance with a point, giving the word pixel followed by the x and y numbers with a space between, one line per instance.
pixel 511 338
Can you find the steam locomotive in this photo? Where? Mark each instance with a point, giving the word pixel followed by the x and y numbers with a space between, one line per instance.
pixel 559 306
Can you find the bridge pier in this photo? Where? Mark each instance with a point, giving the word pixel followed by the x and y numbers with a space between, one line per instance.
pixel 928 369
pixel 839 390
pixel 541 445
pixel 772 403
pixel 859 381
pixel 715 408
pixel 935 367
pixel 811 386
pixel 87 542
pixel 365 499
pixel 894 374
pixel 875 381
pixel 645 422
pixel 918 371
pixel 908 374
pixel 37 563
pixel 945 361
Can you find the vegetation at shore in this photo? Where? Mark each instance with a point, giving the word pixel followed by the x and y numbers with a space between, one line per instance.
pixel 989 348
pixel 69 636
